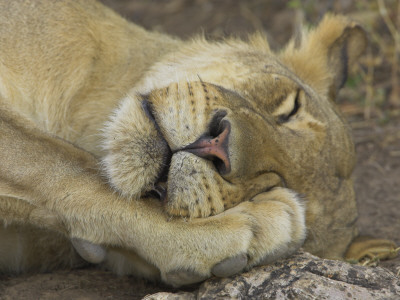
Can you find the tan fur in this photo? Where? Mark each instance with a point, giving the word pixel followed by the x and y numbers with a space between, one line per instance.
pixel 77 71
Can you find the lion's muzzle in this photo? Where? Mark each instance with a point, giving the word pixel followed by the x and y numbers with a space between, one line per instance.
pixel 214 148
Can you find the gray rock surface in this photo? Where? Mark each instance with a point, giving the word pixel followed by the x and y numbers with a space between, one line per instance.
pixel 302 276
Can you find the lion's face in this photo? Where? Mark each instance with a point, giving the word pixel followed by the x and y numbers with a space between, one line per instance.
pixel 205 145
pixel 274 137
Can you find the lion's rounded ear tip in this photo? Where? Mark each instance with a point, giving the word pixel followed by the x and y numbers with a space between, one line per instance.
pixel 360 38
pixel 360 29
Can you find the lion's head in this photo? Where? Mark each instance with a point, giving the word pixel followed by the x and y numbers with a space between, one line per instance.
pixel 217 123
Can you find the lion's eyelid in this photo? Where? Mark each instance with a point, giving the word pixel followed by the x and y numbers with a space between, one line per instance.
pixel 284 113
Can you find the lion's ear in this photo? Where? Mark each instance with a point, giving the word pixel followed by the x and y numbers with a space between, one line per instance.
pixel 323 56
pixel 344 52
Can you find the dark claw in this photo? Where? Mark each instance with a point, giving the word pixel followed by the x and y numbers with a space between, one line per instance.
pixel 161 191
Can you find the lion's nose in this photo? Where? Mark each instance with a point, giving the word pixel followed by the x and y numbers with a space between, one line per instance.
pixel 214 148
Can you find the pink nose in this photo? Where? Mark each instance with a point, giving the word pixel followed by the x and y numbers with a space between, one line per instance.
pixel 214 148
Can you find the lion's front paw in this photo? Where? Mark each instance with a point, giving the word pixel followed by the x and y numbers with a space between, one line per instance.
pixel 268 227
pixel 281 226
pixel 255 232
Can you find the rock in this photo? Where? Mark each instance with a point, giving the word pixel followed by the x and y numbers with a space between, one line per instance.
pixel 171 296
pixel 302 276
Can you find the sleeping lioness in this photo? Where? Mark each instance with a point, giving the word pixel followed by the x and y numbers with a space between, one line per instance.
pixel 165 158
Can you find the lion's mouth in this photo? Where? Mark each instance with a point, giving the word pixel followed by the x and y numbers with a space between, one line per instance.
pixel 160 184
pixel 212 146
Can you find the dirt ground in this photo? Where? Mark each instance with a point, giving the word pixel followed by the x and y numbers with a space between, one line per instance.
pixel 376 126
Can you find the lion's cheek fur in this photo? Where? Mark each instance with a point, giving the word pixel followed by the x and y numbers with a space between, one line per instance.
pixel 136 153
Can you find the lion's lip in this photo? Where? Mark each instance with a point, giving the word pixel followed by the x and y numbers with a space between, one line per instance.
pixel 160 183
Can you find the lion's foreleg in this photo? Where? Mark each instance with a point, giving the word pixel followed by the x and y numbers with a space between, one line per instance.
pixel 14 211
pixel 55 178
pixel 53 175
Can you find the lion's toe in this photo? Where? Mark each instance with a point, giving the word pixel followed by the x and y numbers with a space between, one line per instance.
pixel 183 277
pixel 230 266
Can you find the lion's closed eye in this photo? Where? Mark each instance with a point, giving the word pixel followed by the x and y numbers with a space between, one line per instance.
pixel 289 107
